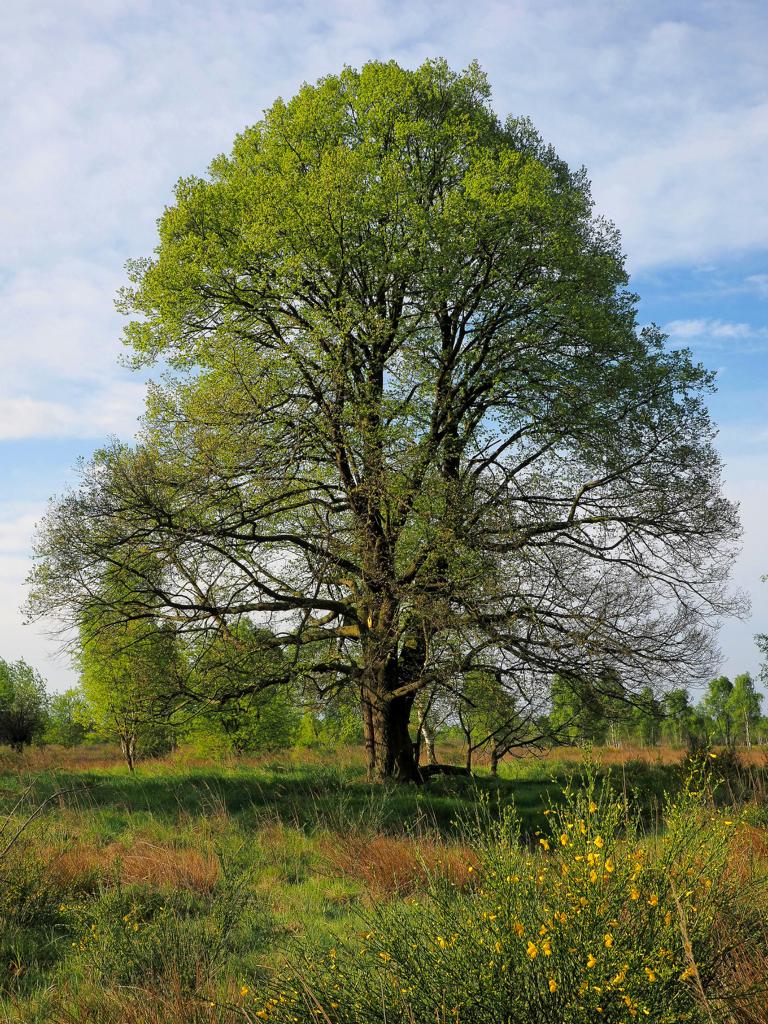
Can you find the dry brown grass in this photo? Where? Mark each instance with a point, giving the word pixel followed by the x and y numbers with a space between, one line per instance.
pixel 83 866
pixel 172 1005
pixel 749 852
pixel 398 865
pixel 662 754
pixel 53 758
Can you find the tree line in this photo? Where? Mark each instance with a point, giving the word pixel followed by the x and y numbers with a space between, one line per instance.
pixel 128 697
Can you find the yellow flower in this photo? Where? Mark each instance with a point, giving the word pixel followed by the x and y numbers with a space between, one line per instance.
pixel 593 876
pixel 609 865
pixel 599 842
pixel 518 928
pixel 688 973
pixel 634 893
pixel 608 940
pixel 244 990
pixel 552 985
pixel 653 900
pixel 591 961
pixel 532 950
pixel 592 806
pixel 546 947
pixel 544 843
pixel 651 975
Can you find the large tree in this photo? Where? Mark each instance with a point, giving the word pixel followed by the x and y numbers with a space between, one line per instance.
pixel 411 419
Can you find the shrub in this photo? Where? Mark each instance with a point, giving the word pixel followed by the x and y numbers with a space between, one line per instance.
pixel 592 922
pixel 139 935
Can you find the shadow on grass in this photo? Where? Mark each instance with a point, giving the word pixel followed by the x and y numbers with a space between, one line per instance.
pixel 307 799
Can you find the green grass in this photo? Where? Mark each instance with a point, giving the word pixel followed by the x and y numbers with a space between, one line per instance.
pixel 258 873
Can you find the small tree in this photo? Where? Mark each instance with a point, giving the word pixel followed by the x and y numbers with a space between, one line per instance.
pixel 490 718
pixel 645 718
pixel 577 712
pixel 744 707
pixel 682 724
pixel 717 705
pixel 433 707
pixel 68 718
pixel 129 675
pixel 23 704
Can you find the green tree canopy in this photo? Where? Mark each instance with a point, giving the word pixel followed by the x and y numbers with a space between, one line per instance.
pixel 412 419
pixel 238 694
pixel 23 704
pixel 717 705
pixel 129 676
pixel 69 718
pixel 744 707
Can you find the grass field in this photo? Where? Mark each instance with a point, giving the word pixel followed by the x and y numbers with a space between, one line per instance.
pixel 193 891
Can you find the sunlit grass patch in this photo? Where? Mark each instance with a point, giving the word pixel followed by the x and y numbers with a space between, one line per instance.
pixel 399 865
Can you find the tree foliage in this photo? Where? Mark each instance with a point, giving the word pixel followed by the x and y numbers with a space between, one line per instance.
pixel 129 675
pixel 238 693
pixel 412 420
pixel 23 704
pixel 69 718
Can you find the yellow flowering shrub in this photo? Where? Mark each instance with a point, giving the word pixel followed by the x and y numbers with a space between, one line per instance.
pixel 592 922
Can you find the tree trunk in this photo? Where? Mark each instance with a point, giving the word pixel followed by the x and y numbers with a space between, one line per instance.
pixel 494 761
pixel 368 734
pixel 388 741
pixel 429 742
pixel 393 745
pixel 468 739
pixel 128 748
pixel 424 734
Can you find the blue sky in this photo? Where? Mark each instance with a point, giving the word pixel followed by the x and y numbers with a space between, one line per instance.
pixel 107 102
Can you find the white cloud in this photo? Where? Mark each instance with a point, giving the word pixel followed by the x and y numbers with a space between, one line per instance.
pixel 718 333
pixel 33 642
pixel 757 283
pixel 111 410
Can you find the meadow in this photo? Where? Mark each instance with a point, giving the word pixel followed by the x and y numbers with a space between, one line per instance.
pixel 613 886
